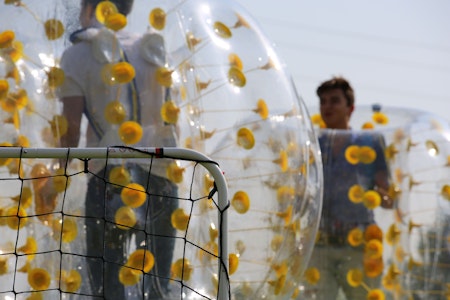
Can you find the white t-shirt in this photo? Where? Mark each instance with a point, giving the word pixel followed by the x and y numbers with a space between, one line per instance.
pixel 83 64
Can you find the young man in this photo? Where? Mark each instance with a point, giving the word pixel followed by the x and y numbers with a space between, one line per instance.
pixel 333 255
pixel 86 92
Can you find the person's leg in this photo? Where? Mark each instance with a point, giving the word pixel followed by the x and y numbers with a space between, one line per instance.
pixel 155 218
pixel 103 243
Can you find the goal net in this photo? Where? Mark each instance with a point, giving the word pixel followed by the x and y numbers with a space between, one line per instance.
pixel 112 223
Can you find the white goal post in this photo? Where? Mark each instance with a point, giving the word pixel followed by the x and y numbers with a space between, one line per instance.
pixel 169 152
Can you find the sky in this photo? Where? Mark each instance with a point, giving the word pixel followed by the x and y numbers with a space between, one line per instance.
pixel 394 52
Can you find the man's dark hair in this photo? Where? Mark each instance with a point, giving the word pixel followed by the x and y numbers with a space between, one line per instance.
pixel 123 6
pixel 339 83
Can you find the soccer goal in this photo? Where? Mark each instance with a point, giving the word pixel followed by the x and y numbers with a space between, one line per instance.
pixel 112 223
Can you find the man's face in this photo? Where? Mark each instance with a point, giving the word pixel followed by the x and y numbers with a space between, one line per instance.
pixel 334 109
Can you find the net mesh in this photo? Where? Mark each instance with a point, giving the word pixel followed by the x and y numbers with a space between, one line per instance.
pixel 111 227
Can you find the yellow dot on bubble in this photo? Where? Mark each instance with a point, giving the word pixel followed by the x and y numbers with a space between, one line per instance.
pixel 130 132
pixel 285 194
pixel 316 119
pixel 445 192
pixel 179 219
pixel 59 125
pixel 245 138
pixel 367 155
pixel 380 118
pixel 122 72
pixel 236 77
pixel 115 21
pixel 222 30
pixel 367 126
pixel 133 195
pixel 356 193
pixel 15 101
pixel 355 237
pixel 25 197
pixel 175 173
pixel 182 269
pixel 13 73
pixel 375 294
pixel 69 230
pixel 286 215
pixel 22 141
pixel 39 279
pixel 213 232
pixel 352 154
pixel 170 112
pixel 4 88
pixel 282 161
pixel 164 76
pixel 54 29
pixel 16 51
pixel 7 160
pixel 389 283
pixel 142 260
pixel 208 183
pixel 373 232
pixel 104 9
pixel 128 276
pixel 355 277
pixel 70 281
pixel 13 220
pixel 276 242
pixel 312 275
pixel 373 267
pixel 373 249
pixel 235 61
pixel 432 148
pixel 262 109
pixel 241 202
pixel 125 218
pixel 55 77
pixel 371 199
pixel 278 285
pixel 393 234
pixel 119 175
pixel 6 38
pixel 233 263
pixel 157 18
pixel 208 252
pixel 115 112
pixel 3 265
pixel 30 246
pixel 394 191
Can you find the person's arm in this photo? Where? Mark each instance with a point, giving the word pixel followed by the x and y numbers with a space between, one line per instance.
pixel 382 187
pixel 73 108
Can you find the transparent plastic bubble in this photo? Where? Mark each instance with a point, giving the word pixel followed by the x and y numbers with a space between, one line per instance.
pixel 414 232
pixel 196 74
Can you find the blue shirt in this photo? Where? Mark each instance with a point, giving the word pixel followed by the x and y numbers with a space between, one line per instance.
pixel 338 212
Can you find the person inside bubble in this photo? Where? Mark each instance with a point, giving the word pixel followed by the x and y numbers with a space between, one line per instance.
pixel 88 90
pixel 347 178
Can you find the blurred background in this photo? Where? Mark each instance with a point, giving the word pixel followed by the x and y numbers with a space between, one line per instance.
pixel 395 53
